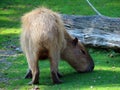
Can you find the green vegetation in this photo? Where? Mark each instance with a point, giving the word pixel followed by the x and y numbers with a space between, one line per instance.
pixel 106 75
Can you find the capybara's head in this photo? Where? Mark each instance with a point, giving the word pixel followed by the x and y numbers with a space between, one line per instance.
pixel 77 56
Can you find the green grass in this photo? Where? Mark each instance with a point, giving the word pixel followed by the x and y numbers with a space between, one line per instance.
pixel 106 75
pixel 107 7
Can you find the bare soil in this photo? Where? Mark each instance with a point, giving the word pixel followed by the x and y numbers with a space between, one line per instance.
pixel 5 63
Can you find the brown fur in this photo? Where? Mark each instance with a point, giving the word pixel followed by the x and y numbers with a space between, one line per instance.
pixel 44 36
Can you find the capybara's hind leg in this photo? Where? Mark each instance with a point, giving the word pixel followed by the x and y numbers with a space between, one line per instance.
pixel 33 65
pixel 35 73
pixel 28 74
pixel 54 60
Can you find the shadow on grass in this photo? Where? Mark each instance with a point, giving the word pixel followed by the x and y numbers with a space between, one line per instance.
pixel 97 78
pixel 74 80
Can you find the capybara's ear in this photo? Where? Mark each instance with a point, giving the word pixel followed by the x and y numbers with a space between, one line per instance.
pixel 75 41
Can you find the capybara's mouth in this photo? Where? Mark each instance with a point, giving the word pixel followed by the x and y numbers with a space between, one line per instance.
pixel 89 69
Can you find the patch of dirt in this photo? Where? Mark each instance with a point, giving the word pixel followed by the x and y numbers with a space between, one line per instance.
pixel 5 64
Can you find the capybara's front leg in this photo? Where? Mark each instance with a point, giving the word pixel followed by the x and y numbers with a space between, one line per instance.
pixel 55 78
pixel 54 59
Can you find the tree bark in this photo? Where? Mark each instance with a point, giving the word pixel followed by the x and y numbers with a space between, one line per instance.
pixel 95 31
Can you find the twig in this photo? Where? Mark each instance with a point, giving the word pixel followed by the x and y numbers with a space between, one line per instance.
pixel 97 12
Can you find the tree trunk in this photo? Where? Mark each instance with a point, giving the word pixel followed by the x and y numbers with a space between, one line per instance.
pixel 95 31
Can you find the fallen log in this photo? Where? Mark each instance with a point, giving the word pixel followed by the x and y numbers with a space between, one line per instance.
pixel 95 31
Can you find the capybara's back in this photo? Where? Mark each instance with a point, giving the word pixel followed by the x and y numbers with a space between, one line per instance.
pixel 42 27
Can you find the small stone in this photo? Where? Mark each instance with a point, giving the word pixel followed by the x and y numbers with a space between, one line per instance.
pixel 94 81
pixel 113 67
pixel 99 77
pixel 36 88
pixel 17 49
pixel 91 86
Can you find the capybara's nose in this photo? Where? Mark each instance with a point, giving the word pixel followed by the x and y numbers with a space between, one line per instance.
pixel 90 67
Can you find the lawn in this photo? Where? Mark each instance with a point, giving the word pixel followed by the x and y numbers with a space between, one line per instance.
pixel 106 75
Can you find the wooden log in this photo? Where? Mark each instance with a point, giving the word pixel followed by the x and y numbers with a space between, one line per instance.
pixel 95 31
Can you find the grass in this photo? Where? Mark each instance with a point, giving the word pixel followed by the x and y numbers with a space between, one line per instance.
pixel 105 76
pixel 107 70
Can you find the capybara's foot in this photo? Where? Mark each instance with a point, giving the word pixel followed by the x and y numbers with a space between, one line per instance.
pixel 30 83
pixel 59 75
pixel 57 82
pixel 55 78
pixel 28 75
pixel 33 83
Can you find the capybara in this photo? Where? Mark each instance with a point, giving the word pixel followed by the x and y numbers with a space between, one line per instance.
pixel 44 36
